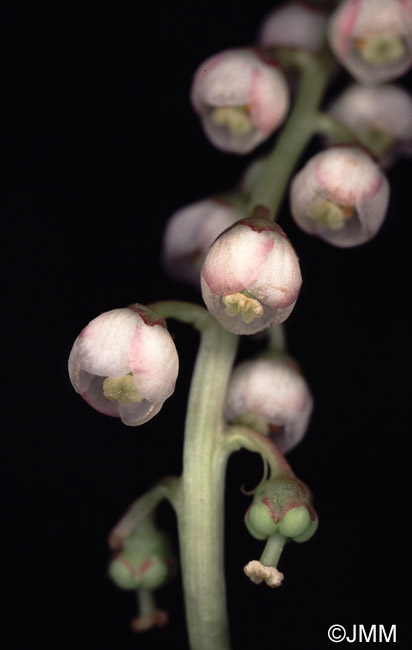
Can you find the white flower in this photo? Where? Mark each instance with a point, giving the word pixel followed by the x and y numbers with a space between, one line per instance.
pixel 124 363
pixel 373 38
pixel 293 25
pixel 189 233
pixel 273 390
pixel 340 195
pixel 251 278
pixel 379 116
pixel 241 100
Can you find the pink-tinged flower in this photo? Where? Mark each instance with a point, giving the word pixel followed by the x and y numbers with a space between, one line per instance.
pixel 271 395
pixel 124 363
pixel 373 38
pixel 251 278
pixel 340 195
pixel 189 234
pixel 241 100
pixel 380 117
pixel 293 25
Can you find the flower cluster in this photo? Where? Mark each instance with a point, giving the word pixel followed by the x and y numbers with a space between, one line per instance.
pixel 124 363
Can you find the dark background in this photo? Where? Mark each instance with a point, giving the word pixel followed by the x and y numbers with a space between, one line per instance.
pixel 99 146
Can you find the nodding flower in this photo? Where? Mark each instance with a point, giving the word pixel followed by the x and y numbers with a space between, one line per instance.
pixel 190 232
pixel 380 117
pixel 270 394
pixel 124 364
pixel 294 25
pixel 373 38
pixel 240 99
pixel 340 195
pixel 251 277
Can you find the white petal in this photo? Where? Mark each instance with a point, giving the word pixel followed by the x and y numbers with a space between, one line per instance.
pixel 275 391
pixel 154 362
pixel 293 25
pixel 190 232
pixel 279 282
pixel 236 259
pixel 102 348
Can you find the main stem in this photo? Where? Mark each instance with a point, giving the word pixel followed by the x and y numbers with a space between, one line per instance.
pixel 302 123
pixel 201 512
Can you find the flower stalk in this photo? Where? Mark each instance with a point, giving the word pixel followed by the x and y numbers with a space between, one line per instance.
pixel 301 125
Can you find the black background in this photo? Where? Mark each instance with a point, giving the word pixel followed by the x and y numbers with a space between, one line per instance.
pixel 99 147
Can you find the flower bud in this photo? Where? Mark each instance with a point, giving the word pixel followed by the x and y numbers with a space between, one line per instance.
pixel 124 364
pixel 146 560
pixel 282 506
pixel 189 234
pixel 341 196
pixel 251 278
pixel 373 38
pixel 241 100
pixel 272 390
pixel 293 25
pixel 379 116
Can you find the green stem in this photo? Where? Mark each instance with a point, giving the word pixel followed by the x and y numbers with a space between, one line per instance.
pixel 298 130
pixel 239 437
pixel 200 510
pixel 200 517
pixel 334 129
pixel 140 509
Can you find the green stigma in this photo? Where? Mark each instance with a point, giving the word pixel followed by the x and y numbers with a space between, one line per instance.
pixel 235 118
pixel 121 389
pixel 379 50
pixel 243 303
pixel 331 216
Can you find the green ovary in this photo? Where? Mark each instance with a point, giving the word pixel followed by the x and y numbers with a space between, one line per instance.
pixel 121 389
pixel 330 215
pixel 244 304
pixel 235 118
pixel 379 50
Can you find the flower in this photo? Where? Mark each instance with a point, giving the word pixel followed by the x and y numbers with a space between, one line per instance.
pixel 373 38
pixel 293 25
pixel 271 395
pixel 282 506
pixel 251 278
pixel 340 195
pixel 241 100
pixel 145 561
pixel 190 232
pixel 379 116
pixel 124 363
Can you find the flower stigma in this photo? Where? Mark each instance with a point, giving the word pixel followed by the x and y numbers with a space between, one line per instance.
pixel 379 50
pixel 331 215
pixel 243 303
pixel 235 118
pixel 121 389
